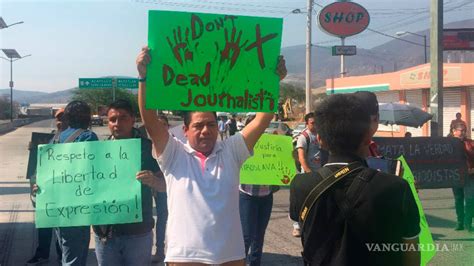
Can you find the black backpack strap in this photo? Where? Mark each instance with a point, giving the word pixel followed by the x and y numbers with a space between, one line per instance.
pixel 354 191
pixel 323 186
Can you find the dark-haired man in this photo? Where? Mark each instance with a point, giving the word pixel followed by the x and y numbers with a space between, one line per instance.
pixel 74 241
pixel 202 182
pixel 308 146
pixel 363 209
pixel 130 244
pixel 309 154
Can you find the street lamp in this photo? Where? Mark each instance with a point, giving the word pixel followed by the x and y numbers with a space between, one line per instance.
pixel 4 25
pixel 12 56
pixel 400 33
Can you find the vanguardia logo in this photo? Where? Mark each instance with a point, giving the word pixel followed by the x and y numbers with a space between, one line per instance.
pixel 404 247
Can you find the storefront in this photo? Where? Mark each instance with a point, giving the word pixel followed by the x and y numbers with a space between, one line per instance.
pixel 411 86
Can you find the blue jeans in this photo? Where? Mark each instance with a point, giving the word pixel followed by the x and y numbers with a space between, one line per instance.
pixel 254 215
pixel 74 242
pixel 161 218
pixel 124 250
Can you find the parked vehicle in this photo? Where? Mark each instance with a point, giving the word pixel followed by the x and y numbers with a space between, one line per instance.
pixel 97 120
pixel 279 128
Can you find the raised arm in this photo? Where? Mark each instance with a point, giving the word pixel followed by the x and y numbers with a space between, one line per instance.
pixel 255 129
pixel 157 129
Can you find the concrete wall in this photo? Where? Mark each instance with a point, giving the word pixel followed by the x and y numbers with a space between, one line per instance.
pixel 7 127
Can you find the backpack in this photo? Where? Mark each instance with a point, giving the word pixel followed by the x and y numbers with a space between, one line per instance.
pixel 312 254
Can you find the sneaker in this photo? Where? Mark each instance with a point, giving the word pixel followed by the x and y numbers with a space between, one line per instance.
pixel 36 261
pixel 296 232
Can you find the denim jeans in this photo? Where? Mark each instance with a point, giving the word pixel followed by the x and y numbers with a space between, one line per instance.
pixel 74 243
pixel 124 250
pixel 45 235
pixel 254 215
pixel 161 218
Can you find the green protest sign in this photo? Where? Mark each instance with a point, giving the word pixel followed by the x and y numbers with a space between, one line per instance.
pixel 272 162
pixel 425 237
pixel 88 183
pixel 213 62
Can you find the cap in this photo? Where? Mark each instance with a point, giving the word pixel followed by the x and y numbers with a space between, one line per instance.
pixel 369 99
pixel 59 112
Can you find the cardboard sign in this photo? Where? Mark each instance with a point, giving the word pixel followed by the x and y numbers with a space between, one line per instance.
pixel 436 162
pixel 272 162
pixel 88 183
pixel 212 62
pixel 36 139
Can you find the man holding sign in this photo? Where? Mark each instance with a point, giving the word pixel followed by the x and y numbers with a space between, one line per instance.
pixel 130 244
pixel 74 241
pixel 202 179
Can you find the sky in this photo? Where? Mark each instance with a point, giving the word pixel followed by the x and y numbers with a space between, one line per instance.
pixel 71 39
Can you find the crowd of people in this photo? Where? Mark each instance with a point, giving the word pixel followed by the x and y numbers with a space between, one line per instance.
pixel 205 217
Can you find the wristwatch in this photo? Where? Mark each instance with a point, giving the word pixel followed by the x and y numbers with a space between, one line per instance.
pixel 142 79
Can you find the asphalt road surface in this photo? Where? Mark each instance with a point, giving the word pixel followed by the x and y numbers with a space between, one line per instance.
pixel 18 237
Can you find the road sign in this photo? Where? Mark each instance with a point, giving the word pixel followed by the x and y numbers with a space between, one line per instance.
pixel 344 50
pixel 95 83
pixel 127 83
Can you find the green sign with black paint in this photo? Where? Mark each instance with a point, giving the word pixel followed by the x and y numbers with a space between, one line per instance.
pixel 88 183
pixel 213 62
pixel 272 162
pixel 425 236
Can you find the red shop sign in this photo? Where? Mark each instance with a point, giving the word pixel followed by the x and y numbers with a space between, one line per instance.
pixel 343 19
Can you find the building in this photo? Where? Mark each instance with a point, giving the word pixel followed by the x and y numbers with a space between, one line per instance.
pixel 411 86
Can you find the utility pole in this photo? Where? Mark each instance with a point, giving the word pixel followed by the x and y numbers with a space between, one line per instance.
pixel 308 57
pixel 12 56
pixel 436 66
pixel 343 72
pixel 11 89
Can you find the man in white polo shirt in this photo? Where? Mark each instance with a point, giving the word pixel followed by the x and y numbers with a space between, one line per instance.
pixel 202 178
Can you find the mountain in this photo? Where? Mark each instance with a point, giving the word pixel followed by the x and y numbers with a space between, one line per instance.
pixel 20 96
pixel 38 97
pixel 63 96
pixel 390 56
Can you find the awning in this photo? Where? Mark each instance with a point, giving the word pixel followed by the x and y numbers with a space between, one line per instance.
pixel 372 88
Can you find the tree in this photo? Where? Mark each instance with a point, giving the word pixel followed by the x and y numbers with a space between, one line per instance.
pixel 5 107
pixel 97 98
pixel 291 91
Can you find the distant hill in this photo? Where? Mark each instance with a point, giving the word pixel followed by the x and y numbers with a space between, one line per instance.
pixel 63 96
pixel 19 96
pixel 390 56
pixel 38 97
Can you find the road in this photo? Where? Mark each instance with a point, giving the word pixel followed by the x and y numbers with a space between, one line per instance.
pixel 18 238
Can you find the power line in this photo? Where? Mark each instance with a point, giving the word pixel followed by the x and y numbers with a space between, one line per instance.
pixel 208 7
pixel 401 39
